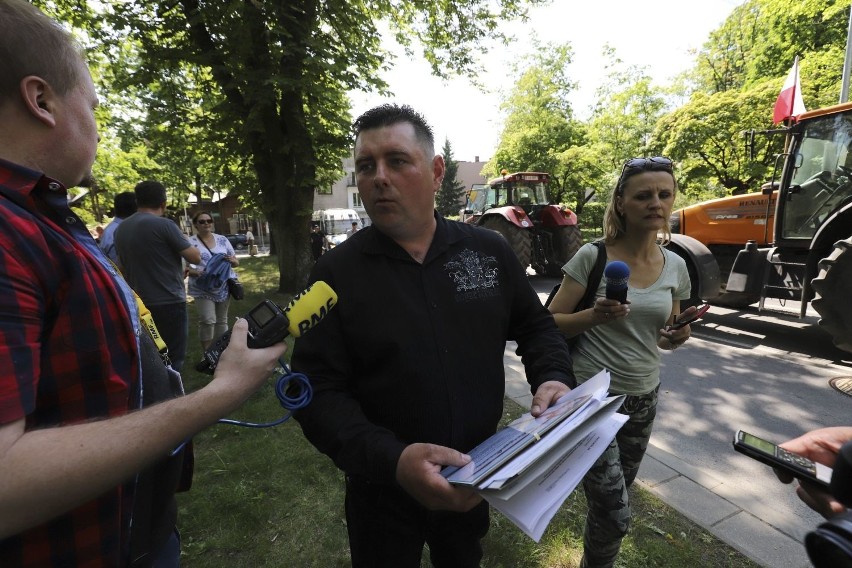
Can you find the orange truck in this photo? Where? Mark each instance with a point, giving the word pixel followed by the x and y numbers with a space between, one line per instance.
pixel 730 220
pixel 792 243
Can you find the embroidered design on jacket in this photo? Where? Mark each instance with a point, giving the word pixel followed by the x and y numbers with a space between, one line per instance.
pixel 474 274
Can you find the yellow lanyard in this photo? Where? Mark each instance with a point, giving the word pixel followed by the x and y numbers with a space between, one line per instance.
pixel 147 320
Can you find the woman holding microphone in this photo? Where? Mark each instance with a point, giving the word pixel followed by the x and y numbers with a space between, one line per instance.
pixel 625 338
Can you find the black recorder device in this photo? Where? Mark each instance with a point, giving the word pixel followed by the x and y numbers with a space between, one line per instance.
pixel 775 456
pixel 267 325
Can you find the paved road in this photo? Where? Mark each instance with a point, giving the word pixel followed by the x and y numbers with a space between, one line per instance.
pixel 767 374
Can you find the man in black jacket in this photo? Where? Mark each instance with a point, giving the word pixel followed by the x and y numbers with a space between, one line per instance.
pixel 408 368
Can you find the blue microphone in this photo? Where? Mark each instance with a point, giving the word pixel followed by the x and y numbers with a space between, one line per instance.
pixel 617 274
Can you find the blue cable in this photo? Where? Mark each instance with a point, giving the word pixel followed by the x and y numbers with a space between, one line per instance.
pixel 299 396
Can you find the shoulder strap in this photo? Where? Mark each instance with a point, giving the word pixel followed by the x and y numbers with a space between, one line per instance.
pixel 594 278
pixel 147 320
pixel 205 244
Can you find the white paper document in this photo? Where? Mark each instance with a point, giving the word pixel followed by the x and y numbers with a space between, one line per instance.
pixel 533 504
pixel 528 469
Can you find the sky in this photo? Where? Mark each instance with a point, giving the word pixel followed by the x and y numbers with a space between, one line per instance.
pixel 657 34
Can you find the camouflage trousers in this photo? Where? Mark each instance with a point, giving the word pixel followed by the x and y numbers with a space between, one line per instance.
pixel 607 482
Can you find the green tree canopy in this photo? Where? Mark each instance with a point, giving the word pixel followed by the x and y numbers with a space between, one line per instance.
pixel 539 124
pixel 253 95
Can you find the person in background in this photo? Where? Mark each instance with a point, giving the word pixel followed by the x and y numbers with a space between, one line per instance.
pixel 250 243
pixel 821 446
pixel 319 242
pixel 353 230
pixel 625 338
pixel 212 305
pixel 408 369
pixel 151 249
pixel 123 205
pixel 82 422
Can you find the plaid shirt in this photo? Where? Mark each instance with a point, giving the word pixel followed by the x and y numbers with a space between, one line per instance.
pixel 68 354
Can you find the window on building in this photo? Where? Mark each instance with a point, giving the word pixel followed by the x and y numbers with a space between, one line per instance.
pixel 241 220
pixel 352 179
pixel 356 200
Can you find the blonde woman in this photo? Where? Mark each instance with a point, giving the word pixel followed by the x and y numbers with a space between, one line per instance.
pixel 625 338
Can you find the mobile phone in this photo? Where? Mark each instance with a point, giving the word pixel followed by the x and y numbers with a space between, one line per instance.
pixel 796 465
pixel 702 309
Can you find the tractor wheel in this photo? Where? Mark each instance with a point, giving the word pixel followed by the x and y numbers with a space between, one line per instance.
pixel 832 286
pixel 693 299
pixel 565 242
pixel 735 300
pixel 519 239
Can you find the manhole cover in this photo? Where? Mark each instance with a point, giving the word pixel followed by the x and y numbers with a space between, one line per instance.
pixel 842 384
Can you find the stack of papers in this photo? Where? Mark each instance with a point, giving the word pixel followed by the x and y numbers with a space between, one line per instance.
pixel 528 469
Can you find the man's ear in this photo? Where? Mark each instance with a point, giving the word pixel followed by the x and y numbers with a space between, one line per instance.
pixel 38 99
pixel 438 169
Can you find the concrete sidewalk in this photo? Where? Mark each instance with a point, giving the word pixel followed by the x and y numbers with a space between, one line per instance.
pixel 747 525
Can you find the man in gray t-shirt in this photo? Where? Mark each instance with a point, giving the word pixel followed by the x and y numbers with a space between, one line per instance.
pixel 151 249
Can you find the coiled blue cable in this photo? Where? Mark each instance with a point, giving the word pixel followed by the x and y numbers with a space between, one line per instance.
pixel 293 391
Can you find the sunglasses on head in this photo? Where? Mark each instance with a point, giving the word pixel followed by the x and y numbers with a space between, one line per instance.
pixel 653 163
pixel 204 222
pixel 639 165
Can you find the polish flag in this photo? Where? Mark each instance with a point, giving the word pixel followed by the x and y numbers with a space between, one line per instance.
pixel 789 103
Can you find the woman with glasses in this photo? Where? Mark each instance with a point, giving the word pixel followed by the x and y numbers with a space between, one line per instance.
pixel 625 338
pixel 212 305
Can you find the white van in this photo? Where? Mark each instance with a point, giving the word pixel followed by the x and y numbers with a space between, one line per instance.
pixel 335 222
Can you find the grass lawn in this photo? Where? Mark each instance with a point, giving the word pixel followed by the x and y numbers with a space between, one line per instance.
pixel 267 498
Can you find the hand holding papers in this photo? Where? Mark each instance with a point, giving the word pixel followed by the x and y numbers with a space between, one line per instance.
pixel 529 468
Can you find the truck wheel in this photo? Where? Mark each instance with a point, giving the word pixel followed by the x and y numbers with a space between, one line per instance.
pixel 693 299
pixel 519 239
pixel 735 300
pixel 566 241
pixel 832 286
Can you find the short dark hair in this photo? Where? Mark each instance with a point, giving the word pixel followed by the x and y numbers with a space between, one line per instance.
pixel 390 114
pixel 124 204
pixel 33 44
pixel 150 194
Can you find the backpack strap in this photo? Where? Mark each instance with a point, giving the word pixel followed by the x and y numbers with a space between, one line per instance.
pixel 594 281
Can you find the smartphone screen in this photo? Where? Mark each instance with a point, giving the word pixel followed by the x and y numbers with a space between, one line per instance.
pixel 771 454
pixel 702 309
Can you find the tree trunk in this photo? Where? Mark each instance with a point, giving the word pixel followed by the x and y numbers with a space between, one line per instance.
pixel 289 218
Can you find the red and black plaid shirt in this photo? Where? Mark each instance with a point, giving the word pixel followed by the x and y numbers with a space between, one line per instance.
pixel 68 354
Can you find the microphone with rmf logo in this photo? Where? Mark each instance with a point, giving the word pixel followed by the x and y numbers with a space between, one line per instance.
pixel 268 323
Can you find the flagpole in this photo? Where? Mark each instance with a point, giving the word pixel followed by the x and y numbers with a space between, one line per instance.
pixel 789 120
pixel 847 62
pixel 797 85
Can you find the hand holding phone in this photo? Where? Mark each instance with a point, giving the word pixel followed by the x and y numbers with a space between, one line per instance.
pixel 772 455
pixel 679 323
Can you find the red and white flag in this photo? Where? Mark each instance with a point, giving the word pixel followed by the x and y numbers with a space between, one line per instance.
pixel 790 103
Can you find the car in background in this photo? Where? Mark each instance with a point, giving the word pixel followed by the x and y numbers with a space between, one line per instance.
pixel 239 242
